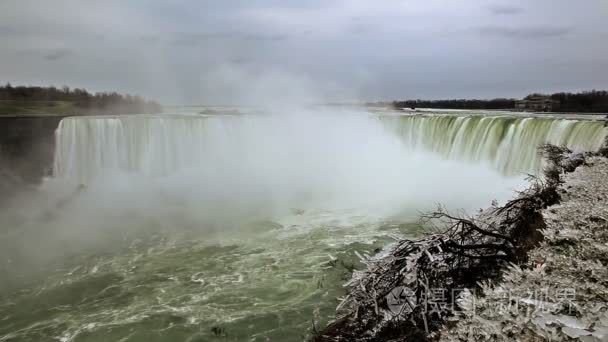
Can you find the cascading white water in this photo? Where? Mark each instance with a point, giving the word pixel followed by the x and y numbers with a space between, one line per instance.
pixel 160 146
pixel 509 144
pixel 320 159
pixel 154 146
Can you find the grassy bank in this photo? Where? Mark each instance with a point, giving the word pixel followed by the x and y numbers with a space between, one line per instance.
pixel 28 107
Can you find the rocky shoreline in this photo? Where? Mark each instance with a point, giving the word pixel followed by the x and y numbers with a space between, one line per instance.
pixel 534 269
pixel 561 293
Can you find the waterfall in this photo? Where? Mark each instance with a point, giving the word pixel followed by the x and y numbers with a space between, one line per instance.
pixel 507 143
pixel 150 146
pixel 157 146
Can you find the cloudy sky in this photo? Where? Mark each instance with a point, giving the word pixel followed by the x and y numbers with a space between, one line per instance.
pixel 226 51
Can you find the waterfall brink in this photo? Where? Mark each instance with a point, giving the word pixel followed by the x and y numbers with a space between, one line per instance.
pixel 508 144
pixel 151 146
pixel 159 146
pixel 239 166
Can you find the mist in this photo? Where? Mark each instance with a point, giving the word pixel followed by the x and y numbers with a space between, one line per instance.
pixel 121 178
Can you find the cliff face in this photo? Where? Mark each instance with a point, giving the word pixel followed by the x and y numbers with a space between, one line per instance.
pixel 27 146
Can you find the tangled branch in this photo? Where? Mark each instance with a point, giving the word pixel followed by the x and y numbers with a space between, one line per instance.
pixel 390 299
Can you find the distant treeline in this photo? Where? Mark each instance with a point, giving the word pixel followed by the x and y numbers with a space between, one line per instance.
pixel 457 104
pixel 594 101
pixel 80 100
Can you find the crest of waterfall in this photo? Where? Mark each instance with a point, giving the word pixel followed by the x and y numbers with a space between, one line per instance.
pixel 509 144
pixel 157 146
pixel 152 146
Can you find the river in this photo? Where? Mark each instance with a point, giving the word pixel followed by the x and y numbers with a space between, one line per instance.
pixel 189 227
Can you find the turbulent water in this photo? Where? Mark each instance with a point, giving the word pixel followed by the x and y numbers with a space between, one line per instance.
pixel 238 228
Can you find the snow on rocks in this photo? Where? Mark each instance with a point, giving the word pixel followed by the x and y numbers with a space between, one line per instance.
pixel 561 293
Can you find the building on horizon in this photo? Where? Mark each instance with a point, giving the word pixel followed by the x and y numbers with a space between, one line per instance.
pixel 538 103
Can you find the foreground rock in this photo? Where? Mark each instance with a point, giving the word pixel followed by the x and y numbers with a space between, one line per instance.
pixel 442 286
pixel 561 294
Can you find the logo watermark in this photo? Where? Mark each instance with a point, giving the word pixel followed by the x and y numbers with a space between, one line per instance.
pixel 442 301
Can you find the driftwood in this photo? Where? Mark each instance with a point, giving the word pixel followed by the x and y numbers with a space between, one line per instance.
pixel 411 291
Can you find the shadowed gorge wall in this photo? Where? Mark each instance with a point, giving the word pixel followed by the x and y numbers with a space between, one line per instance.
pixel 27 145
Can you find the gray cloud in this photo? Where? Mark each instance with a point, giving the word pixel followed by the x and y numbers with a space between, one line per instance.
pixel 262 37
pixel 193 39
pixel 537 32
pixel 57 54
pixel 505 10
pixel 241 60
pixel 179 51
pixel 7 30
pixel 197 39
pixel 149 38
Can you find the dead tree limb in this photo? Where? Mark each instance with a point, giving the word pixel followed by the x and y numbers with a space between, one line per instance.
pixel 390 299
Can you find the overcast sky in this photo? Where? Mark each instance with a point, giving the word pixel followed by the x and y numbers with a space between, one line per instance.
pixel 226 51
